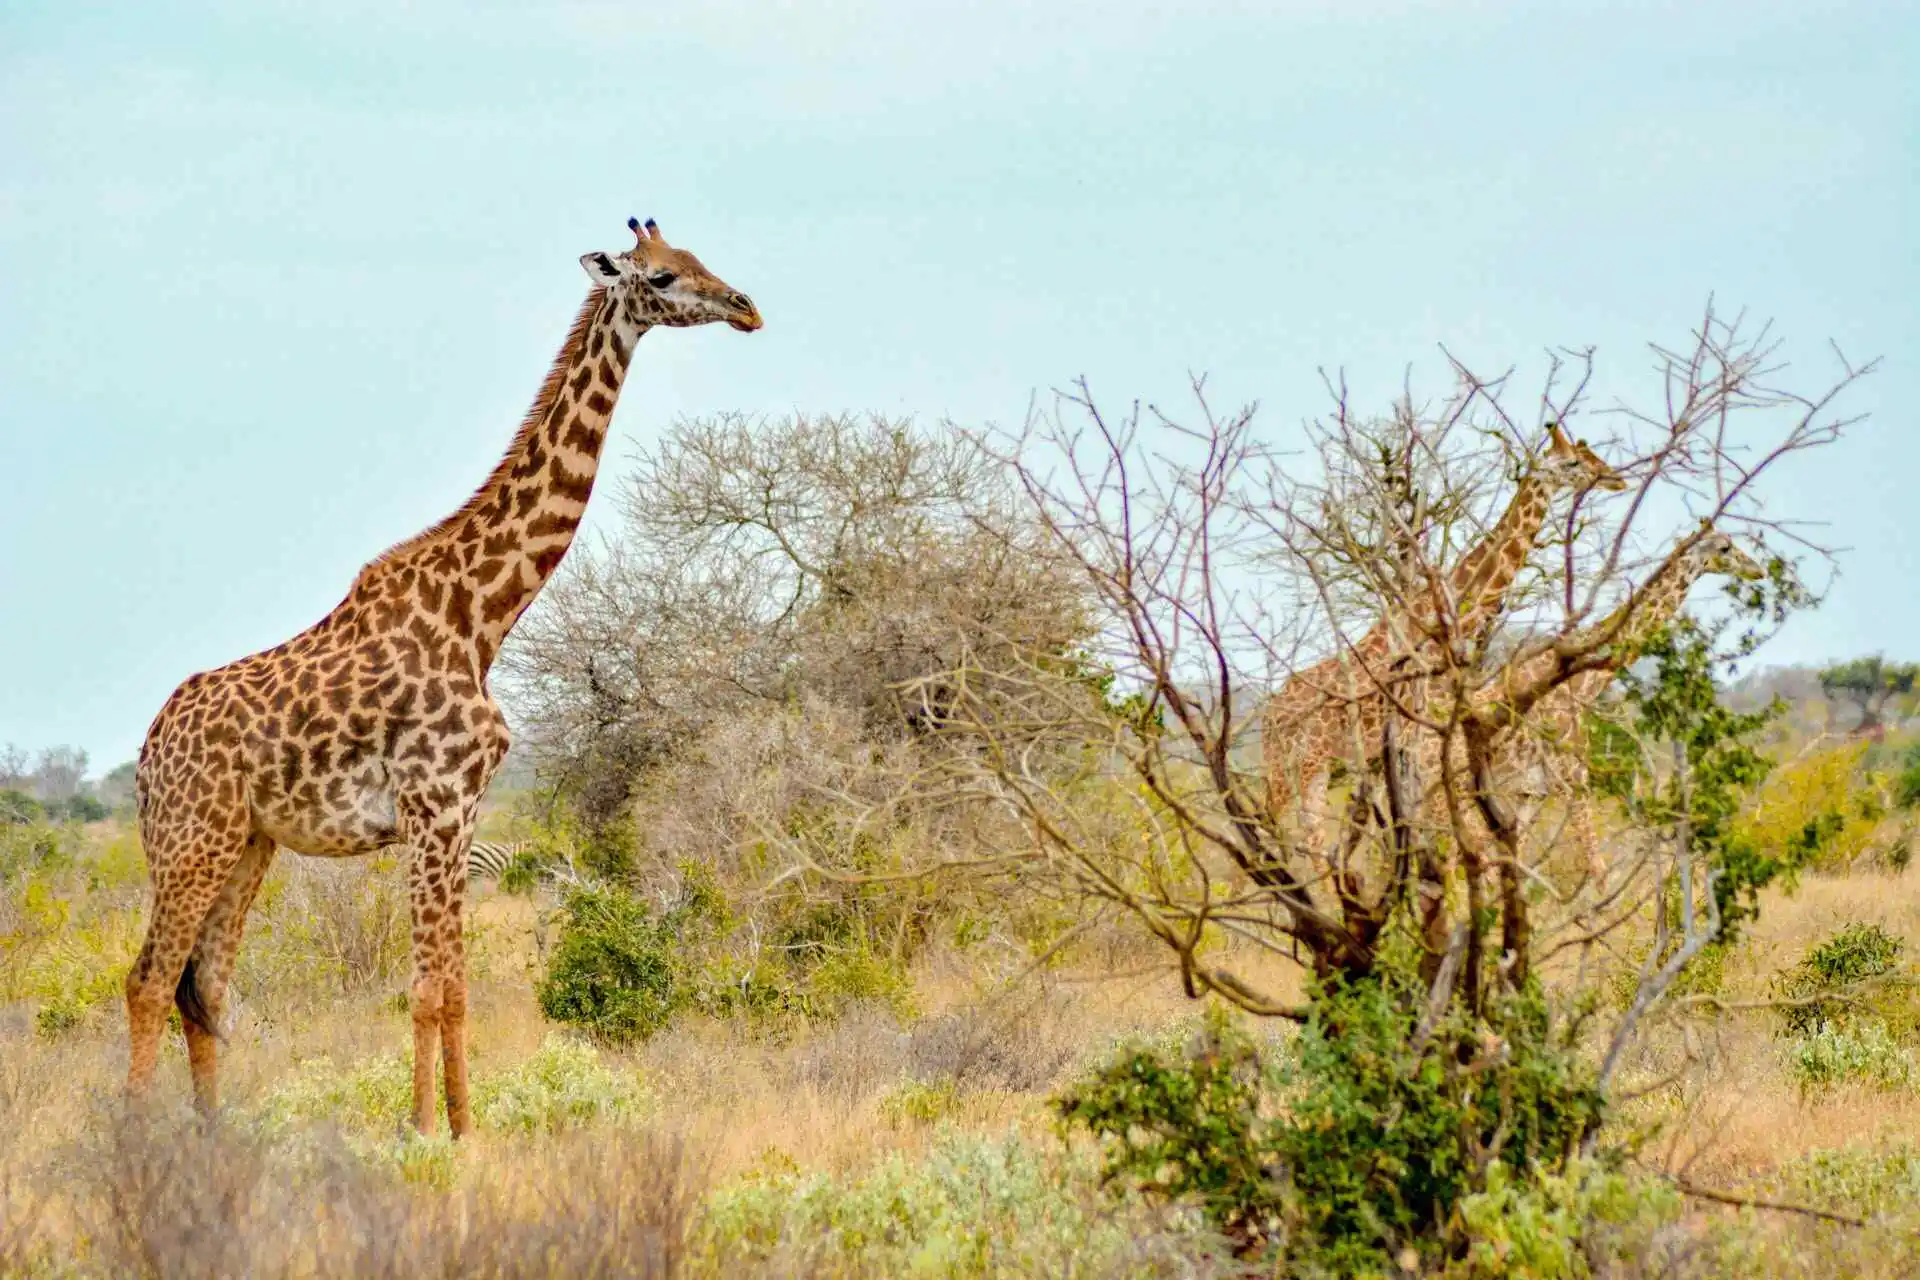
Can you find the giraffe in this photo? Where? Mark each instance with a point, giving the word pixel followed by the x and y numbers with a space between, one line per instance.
pixel 1334 709
pixel 1555 723
pixel 375 726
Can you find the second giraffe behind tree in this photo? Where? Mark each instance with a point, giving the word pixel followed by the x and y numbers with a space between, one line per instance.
pixel 375 727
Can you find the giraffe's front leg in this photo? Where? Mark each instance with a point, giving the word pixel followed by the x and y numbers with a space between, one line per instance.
pixel 436 882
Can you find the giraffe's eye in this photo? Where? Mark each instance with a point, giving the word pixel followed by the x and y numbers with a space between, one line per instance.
pixel 662 280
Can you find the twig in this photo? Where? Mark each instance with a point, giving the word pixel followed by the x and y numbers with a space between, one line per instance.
pixel 1687 1187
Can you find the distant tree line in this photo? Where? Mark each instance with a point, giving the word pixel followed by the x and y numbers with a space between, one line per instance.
pixel 51 786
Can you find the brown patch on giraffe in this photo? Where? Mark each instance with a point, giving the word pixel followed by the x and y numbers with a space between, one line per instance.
pixel 569 484
pixel 549 523
pixel 582 438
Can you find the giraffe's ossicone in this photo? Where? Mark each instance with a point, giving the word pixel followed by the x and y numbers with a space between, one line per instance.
pixel 374 726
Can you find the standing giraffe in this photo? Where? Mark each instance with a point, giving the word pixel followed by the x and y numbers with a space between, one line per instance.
pixel 1335 709
pixel 375 726
pixel 1554 726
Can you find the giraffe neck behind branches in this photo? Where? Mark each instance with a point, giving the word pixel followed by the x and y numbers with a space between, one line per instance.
pixel 1638 617
pixel 481 567
pixel 1480 581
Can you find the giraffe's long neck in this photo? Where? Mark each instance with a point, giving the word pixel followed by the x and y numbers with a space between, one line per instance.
pixel 481 567
pixel 1480 580
pixel 1642 614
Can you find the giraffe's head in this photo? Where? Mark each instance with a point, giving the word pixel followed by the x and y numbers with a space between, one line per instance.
pixel 1571 464
pixel 1717 552
pixel 659 284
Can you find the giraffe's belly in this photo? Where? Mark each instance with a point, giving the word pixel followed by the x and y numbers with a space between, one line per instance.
pixel 338 815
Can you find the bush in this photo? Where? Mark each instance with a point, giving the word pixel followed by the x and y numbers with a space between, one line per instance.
pixel 614 969
pixel 1355 1145
pixel 1861 1179
pixel 1556 1225
pixel 1853 955
pixel 1906 783
pixel 970 1207
pixel 1861 1054
pixel 563 1085
pixel 1815 813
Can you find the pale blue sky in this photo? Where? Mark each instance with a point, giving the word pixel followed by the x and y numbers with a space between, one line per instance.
pixel 277 280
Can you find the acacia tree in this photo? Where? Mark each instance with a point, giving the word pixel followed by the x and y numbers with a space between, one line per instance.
pixel 1222 567
pixel 1869 683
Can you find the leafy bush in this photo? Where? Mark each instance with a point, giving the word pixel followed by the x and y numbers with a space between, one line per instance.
pixel 614 971
pixel 970 1207
pixel 1815 812
pixel 563 1085
pixel 1861 1054
pixel 1860 1179
pixel 1906 783
pixel 1555 1226
pixel 374 1095
pixel 920 1102
pixel 17 808
pixel 1853 955
pixel 1360 1142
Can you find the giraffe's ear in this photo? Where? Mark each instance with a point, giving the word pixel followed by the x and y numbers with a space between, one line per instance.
pixel 600 268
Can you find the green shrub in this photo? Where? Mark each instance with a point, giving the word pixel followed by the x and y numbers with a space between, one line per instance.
pixel 971 1207
pixel 1555 1226
pixel 563 1085
pixel 1353 1146
pixel 1863 1053
pixel 614 968
pixel 1869 1180
pixel 1852 955
pixel 375 1094
pixel 1906 783
pixel 17 808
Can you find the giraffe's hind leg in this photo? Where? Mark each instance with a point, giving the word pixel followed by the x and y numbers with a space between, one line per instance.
pixel 190 870
pixel 201 992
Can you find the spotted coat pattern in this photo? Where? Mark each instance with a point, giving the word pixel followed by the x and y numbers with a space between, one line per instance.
pixel 1551 741
pixel 1335 709
pixel 375 727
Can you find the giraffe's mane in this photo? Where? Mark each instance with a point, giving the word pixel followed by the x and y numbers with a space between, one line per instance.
pixel 537 413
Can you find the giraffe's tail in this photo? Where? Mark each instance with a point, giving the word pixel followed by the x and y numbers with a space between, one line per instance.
pixel 193 1010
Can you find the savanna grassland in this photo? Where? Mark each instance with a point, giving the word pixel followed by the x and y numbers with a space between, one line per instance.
pixel 899 1126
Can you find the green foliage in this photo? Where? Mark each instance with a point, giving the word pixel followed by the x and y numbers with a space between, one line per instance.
pixel 621 972
pixel 614 972
pixel 1864 1053
pixel 17 808
pixel 1552 1226
pixel 1357 1144
pixel 611 850
pixel 1615 758
pixel 563 1085
pixel 1677 701
pixel 1869 682
pixel 1818 812
pixel 1861 1179
pixel 1906 783
pixel 971 1207
pixel 374 1095
pixel 1852 955
pixel 1187 1127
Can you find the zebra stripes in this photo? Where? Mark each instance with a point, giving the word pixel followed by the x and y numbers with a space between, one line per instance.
pixel 488 859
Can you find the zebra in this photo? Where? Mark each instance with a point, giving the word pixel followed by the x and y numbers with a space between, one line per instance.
pixel 492 859
pixel 489 859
